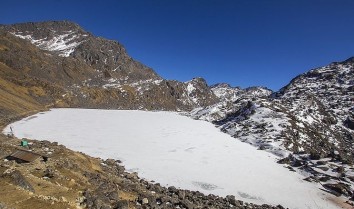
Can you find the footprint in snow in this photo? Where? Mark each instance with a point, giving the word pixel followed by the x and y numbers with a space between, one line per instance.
pixel 204 185
pixel 190 149
pixel 248 196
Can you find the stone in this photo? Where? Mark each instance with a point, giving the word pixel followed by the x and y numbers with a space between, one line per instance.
pixel 285 160
pixel 181 194
pixel 280 207
pixel 122 204
pixel 324 178
pixel 110 162
pixel 187 204
pixel 96 200
pixel 232 200
pixel 172 189
pixel 49 173
pixel 18 179
pixel 315 156
pixel 339 188
pixel 113 196
pixel 145 201
pixel 349 123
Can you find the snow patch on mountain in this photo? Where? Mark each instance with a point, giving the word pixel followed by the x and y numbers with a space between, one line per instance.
pixel 308 120
pixel 64 44
pixel 259 126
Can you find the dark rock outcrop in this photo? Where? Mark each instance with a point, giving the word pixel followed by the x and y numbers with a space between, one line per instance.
pixel 16 178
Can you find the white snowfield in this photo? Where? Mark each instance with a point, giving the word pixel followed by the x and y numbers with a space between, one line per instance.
pixel 175 150
pixel 64 44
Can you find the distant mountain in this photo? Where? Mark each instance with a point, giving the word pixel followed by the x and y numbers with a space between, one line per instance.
pixel 315 107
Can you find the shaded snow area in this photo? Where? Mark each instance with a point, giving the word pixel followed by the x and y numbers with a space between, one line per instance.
pixel 64 44
pixel 175 150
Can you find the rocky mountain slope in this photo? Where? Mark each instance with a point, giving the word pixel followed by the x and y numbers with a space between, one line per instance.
pixel 88 71
pixel 309 123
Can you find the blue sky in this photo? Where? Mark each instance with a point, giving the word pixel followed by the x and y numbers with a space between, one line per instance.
pixel 241 42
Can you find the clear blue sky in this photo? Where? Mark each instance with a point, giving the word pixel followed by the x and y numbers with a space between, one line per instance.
pixel 241 42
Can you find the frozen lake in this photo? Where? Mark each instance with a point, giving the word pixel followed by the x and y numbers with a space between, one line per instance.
pixel 176 150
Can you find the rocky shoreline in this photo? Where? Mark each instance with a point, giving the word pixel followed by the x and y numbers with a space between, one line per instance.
pixel 91 183
pixel 105 183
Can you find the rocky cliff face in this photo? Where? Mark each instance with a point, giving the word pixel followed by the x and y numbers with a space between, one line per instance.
pixel 93 72
pixel 231 100
pixel 321 101
pixel 313 113
pixel 309 122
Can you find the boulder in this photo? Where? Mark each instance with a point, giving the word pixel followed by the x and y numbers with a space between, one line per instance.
pixel 232 200
pixel 315 155
pixel 349 122
pixel 96 200
pixel 339 189
pixel 145 201
pixel 279 207
pixel 285 160
pixel 49 172
pixel 122 204
pixel 18 179
pixel 181 194
pixel 187 204
pixel 172 189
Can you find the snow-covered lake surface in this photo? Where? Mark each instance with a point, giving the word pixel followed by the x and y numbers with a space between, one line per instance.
pixel 176 150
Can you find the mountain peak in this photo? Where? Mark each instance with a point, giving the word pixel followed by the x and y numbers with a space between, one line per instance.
pixel 61 37
pixel 350 60
pixel 56 25
pixel 221 85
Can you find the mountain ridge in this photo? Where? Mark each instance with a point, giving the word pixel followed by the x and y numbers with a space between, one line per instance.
pixel 308 123
pixel 97 70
